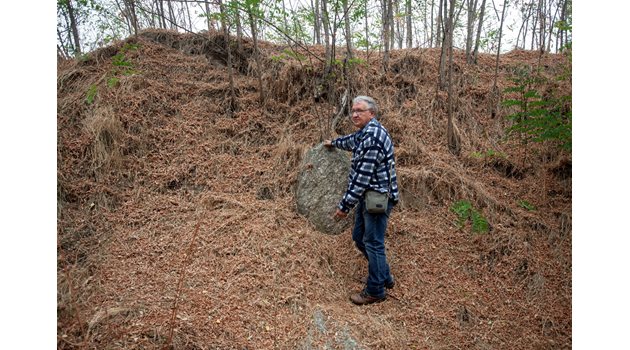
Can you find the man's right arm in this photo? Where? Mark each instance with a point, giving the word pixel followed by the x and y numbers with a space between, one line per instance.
pixel 344 142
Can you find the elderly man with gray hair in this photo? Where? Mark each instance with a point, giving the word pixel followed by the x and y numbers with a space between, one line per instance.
pixel 373 189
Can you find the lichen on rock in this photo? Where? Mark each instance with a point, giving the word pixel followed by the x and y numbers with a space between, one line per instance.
pixel 322 181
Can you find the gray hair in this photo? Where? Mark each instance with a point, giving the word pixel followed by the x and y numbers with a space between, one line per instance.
pixel 369 101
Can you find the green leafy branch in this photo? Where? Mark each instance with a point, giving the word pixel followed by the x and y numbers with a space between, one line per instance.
pixel 538 118
pixel 466 212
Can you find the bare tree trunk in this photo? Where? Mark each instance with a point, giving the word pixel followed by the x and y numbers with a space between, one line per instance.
pixel 333 50
pixel 541 17
pixel 398 30
pixel 61 54
pixel 367 33
pixel 470 19
pixel 384 19
pixel 534 24
pixel 125 15
pixel 171 15
pixel 409 26
pixel 155 7
pixel 453 139
pixel 134 16
pixel 439 32
pixel 327 87
pixel 64 47
pixel 75 30
pixel 444 36
pixel 552 26
pixel 495 89
pixel 284 14
pixel 190 26
pixel 162 15
pixel 496 66
pixel 151 18
pixel 386 33
pixel 347 29
pixel 239 30
pixel 208 16
pixel 426 23
pixel 563 18
pixel 392 27
pixel 432 34
pixel 182 15
pixel 559 31
pixel 326 23
pixel 226 37
pixel 130 8
pixel 69 44
pixel 431 21
pixel 472 9
pixel 520 30
pixel 253 25
pixel 527 18
pixel 479 25
pixel 317 23
pixel 185 16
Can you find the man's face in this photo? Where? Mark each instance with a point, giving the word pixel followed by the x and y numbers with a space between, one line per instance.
pixel 361 115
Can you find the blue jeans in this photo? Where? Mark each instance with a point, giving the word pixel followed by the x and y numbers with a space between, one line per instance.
pixel 369 237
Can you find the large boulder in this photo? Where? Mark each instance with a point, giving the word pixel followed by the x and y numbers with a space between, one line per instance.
pixel 322 181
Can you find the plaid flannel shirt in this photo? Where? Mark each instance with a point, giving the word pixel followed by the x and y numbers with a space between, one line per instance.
pixel 372 153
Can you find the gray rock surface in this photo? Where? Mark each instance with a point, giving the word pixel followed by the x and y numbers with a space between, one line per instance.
pixel 332 333
pixel 322 181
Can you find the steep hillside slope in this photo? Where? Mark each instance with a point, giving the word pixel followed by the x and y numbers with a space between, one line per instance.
pixel 177 223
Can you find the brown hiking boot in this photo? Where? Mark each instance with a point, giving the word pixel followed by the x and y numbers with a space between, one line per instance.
pixel 363 298
pixel 387 285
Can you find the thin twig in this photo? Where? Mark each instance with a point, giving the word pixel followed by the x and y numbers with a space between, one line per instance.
pixel 182 276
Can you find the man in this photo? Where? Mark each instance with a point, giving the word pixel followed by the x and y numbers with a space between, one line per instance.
pixel 372 169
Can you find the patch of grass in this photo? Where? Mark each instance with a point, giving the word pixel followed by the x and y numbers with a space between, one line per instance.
pixel 91 94
pixel 112 82
pixel 488 154
pixel 121 62
pixel 527 205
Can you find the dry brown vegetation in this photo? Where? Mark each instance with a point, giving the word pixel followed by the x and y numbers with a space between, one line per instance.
pixel 177 224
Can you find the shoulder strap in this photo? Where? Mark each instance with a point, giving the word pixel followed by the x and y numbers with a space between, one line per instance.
pixel 390 160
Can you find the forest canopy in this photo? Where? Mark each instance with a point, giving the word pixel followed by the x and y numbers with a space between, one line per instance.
pixel 478 25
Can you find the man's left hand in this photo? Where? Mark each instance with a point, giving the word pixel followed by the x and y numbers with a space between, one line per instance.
pixel 340 214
